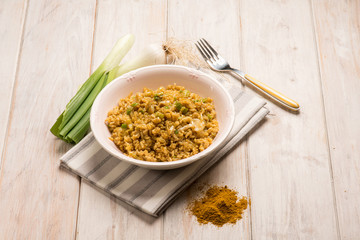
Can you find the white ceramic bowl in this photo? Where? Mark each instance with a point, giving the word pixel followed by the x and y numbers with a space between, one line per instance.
pixel 153 77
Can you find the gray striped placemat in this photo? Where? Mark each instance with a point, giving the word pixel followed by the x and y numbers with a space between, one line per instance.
pixel 152 191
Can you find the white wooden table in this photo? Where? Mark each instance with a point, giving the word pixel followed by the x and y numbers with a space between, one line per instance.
pixel 302 171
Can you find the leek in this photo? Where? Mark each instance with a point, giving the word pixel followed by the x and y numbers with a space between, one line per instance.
pixel 85 106
pixel 112 74
pixel 79 131
pixel 151 55
pixel 72 119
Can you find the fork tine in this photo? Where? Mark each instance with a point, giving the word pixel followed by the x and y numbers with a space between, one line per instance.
pixel 211 48
pixel 201 51
pixel 206 51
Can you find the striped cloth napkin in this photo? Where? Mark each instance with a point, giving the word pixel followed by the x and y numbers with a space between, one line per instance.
pixel 152 191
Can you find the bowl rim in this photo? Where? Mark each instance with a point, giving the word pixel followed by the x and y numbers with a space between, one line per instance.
pixel 121 156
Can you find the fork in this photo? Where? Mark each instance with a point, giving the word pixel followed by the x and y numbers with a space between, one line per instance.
pixel 218 63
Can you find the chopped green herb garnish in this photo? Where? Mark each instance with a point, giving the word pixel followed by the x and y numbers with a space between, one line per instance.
pixel 184 110
pixel 186 93
pixel 166 107
pixel 197 100
pixel 204 100
pixel 128 111
pixel 158 96
pixel 159 115
pixel 209 116
pixel 124 126
pixel 178 106
pixel 176 131
pixel 181 91
pixel 142 111
pixel 134 104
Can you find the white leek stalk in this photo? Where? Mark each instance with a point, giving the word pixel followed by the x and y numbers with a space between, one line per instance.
pixel 151 55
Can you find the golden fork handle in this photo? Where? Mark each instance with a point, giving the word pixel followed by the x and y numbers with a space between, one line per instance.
pixel 279 97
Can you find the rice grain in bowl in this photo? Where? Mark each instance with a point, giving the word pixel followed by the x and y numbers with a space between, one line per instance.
pixel 154 77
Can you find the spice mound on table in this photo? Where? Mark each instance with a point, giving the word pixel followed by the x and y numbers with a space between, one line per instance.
pixel 220 205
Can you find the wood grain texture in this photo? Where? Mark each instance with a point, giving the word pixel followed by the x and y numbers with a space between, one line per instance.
pixel 301 171
pixel 218 22
pixel 337 25
pixel 38 200
pixel 292 195
pixel 111 219
pixel 12 13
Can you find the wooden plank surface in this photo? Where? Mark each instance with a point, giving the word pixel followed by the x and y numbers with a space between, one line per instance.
pixel 12 13
pixel 38 200
pixel 215 20
pixel 337 25
pixel 110 219
pixel 291 190
pixel 301 170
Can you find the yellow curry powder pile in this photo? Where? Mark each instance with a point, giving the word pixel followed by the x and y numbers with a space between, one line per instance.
pixel 219 206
